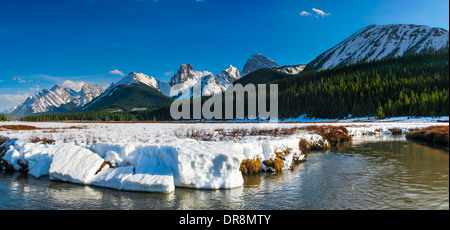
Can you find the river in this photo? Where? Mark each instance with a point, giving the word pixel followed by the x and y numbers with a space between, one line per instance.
pixel 370 173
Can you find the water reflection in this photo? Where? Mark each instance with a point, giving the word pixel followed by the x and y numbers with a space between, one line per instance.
pixel 364 174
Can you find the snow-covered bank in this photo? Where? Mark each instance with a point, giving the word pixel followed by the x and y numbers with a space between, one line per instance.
pixel 151 157
pixel 137 157
pixel 304 118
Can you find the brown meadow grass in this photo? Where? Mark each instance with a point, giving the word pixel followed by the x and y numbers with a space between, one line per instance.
pixel 433 134
pixel 395 131
pixel 333 134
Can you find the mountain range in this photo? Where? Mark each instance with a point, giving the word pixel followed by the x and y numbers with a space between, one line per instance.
pixel 379 41
pixel 58 100
pixel 138 91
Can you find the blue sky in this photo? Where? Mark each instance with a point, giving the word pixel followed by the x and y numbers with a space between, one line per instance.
pixel 43 43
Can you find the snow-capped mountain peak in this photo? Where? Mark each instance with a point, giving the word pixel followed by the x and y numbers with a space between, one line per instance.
pixel 185 78
pixel 87 93
pixel 139 78
pixel 48 100
pixel 229 75
pixel 378 41
pixel 207 85
pixel 211 85
pixel 256 62
pixel 290 69
pixel 186 75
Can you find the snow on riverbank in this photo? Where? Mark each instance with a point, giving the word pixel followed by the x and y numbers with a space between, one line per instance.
pixel 151 157
pixel 304 118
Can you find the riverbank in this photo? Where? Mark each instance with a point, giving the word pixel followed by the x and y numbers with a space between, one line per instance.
pixel 433 134
pixel 372 172
pixel 159 157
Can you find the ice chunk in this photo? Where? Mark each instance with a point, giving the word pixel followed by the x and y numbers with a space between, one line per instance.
pixel 207 165
pixel 12 156
pixel 112 177
pixel 182 163
pixel 156 181
pixel 41 167
pixel 74 164
pixel 38 157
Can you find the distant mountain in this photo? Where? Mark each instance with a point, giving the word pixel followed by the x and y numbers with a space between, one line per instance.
pixel 208 85
pixel 229 75
pixel 378 41
pixel 185 78
pixel 187 75
pixel 139 78
pixel 291 69
pixel 256 62
pixel 262 76
pixel 211 85
pixel 58 100
pixel 136 91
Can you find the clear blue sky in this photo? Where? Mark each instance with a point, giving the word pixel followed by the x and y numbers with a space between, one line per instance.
pixel 43 43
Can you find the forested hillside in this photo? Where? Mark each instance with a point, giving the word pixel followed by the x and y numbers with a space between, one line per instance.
pixel 413 85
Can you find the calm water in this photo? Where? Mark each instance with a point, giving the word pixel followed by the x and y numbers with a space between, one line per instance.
pixel 369 173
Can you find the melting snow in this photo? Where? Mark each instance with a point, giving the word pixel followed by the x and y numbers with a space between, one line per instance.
pixel 150 157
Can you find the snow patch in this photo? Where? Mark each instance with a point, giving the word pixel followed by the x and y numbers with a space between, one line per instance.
pixel 74 164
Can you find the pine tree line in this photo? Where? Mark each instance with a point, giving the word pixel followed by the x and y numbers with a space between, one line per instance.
pixel 84 116
pixel 3 117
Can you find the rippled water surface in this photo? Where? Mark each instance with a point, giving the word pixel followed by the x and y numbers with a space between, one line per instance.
pixel 369 173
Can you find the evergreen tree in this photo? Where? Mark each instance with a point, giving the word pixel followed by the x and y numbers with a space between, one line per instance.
pixel 380 114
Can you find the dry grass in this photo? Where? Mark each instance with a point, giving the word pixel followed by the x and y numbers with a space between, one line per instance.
pixel 18 127
pixel 195 133
pixel 91 138
pixel 433 134
pixel 105 163
pixel 67 138
pixel 29 127
pixel 285 153
pixel 76 127
pixel 250 166
pixel 318 145
pixel 234 134
pixel 276 164
pixel 304 146
pixel 333 134
pixel 42 140
pixel 395 131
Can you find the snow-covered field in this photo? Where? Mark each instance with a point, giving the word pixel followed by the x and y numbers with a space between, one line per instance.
pixel 158 157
